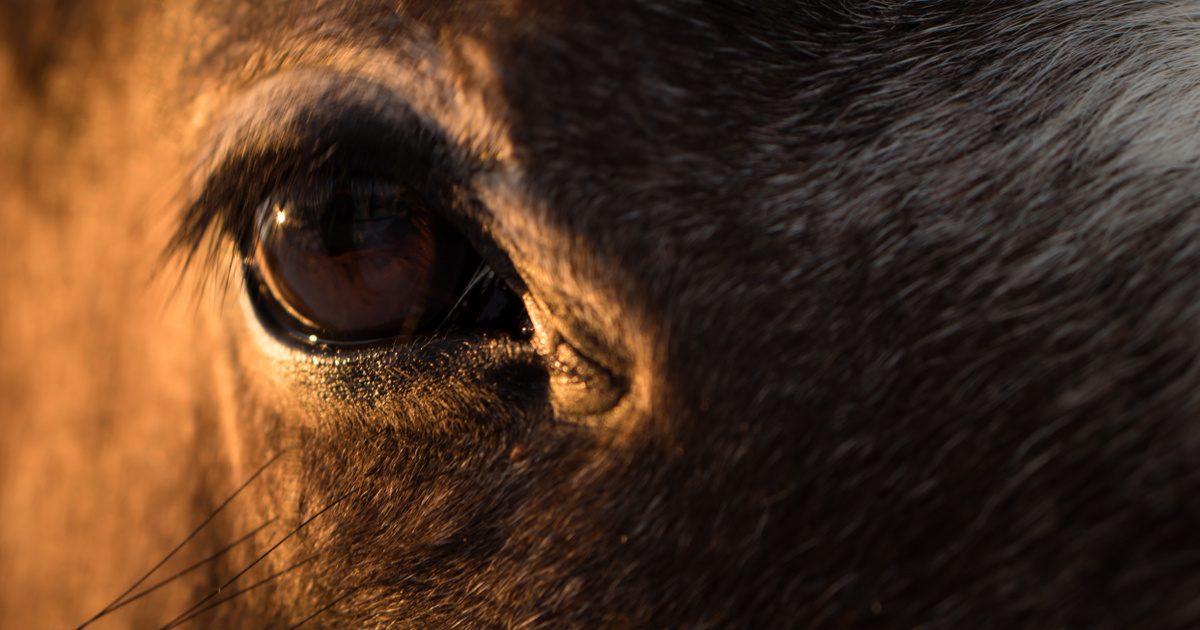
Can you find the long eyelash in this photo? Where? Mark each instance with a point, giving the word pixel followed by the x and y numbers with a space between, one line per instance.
pixel 226 211
pixel 483 274
pixel 224 208
pixel 294 129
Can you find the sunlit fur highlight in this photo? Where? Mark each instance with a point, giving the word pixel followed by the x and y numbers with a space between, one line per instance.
pixel 904 293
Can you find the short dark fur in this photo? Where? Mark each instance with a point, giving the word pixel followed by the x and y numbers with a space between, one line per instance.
pixel 908 291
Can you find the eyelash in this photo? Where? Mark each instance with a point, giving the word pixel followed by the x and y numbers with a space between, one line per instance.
pixel 226 210
pixel 224 206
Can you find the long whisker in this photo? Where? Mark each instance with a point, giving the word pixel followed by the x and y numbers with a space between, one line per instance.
pixel 185 541
pixel 150 589
pixel 238 593
pixel 326 607
pixel 255 562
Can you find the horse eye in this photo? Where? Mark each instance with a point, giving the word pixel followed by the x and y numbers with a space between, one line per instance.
pixel 354 261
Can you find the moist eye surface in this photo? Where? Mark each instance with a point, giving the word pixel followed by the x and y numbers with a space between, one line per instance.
pixel 352 260
pixel 353 216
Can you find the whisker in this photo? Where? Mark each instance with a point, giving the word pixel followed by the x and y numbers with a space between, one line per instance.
pixel 181 545
pixel 255 562
pixel 238 593
pixel 183 572
pixel 326 607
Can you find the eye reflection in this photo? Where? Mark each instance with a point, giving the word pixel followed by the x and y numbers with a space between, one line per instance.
pixel 355 261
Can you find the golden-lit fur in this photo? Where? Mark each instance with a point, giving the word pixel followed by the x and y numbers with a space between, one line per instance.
pixel 846 314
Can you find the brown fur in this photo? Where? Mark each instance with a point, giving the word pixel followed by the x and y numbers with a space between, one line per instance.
pixel 876 314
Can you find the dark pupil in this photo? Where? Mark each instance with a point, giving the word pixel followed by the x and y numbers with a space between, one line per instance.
pixel 359 261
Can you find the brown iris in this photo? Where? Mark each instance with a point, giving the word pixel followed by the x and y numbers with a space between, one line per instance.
pixel 358 261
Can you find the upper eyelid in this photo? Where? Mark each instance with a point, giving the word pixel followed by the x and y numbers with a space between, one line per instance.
pixel 287 129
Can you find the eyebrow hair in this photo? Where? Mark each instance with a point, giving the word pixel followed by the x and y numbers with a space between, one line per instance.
pixel 262 37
